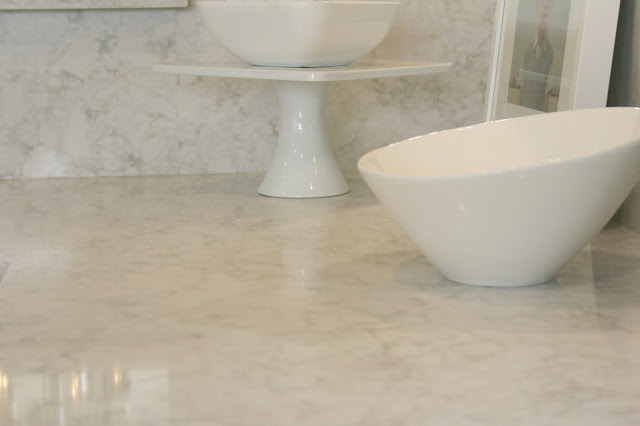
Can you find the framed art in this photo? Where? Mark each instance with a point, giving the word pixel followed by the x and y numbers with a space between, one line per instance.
pixel 550 55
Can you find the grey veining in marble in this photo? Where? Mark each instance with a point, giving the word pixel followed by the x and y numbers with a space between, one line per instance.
pixel 193 301
pixel 89 4
pixel 78 98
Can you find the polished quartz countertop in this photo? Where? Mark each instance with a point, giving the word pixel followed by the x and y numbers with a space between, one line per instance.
pixel 195 301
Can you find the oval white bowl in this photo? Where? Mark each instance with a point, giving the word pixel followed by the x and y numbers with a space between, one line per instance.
pixel 509 203
pixel 299 34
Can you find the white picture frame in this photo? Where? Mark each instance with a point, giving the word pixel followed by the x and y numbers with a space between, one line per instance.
pixel 583 32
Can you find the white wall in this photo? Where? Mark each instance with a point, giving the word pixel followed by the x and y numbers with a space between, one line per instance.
pixel 77 97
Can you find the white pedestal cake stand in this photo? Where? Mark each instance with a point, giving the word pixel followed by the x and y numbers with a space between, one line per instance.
pixel 303 165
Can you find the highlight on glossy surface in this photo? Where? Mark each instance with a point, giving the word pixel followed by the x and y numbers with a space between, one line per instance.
pixel 299 34
pixel 509 203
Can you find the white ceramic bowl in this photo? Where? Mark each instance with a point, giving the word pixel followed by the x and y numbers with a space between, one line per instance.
pixel 299 33
pixel 509 203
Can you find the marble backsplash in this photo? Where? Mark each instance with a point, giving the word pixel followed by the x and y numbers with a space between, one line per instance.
pixel 78 98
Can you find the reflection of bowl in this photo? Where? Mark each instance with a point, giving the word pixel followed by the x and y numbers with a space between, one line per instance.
pixel 299 34
pixel 510 202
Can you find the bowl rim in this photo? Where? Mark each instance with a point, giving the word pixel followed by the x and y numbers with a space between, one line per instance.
pixel 498 171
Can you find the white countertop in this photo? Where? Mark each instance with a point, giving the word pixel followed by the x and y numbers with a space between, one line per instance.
pixel 195 301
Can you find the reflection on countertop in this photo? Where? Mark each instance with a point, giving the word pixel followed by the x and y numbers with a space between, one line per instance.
pixel 195 301
pixel 3 269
